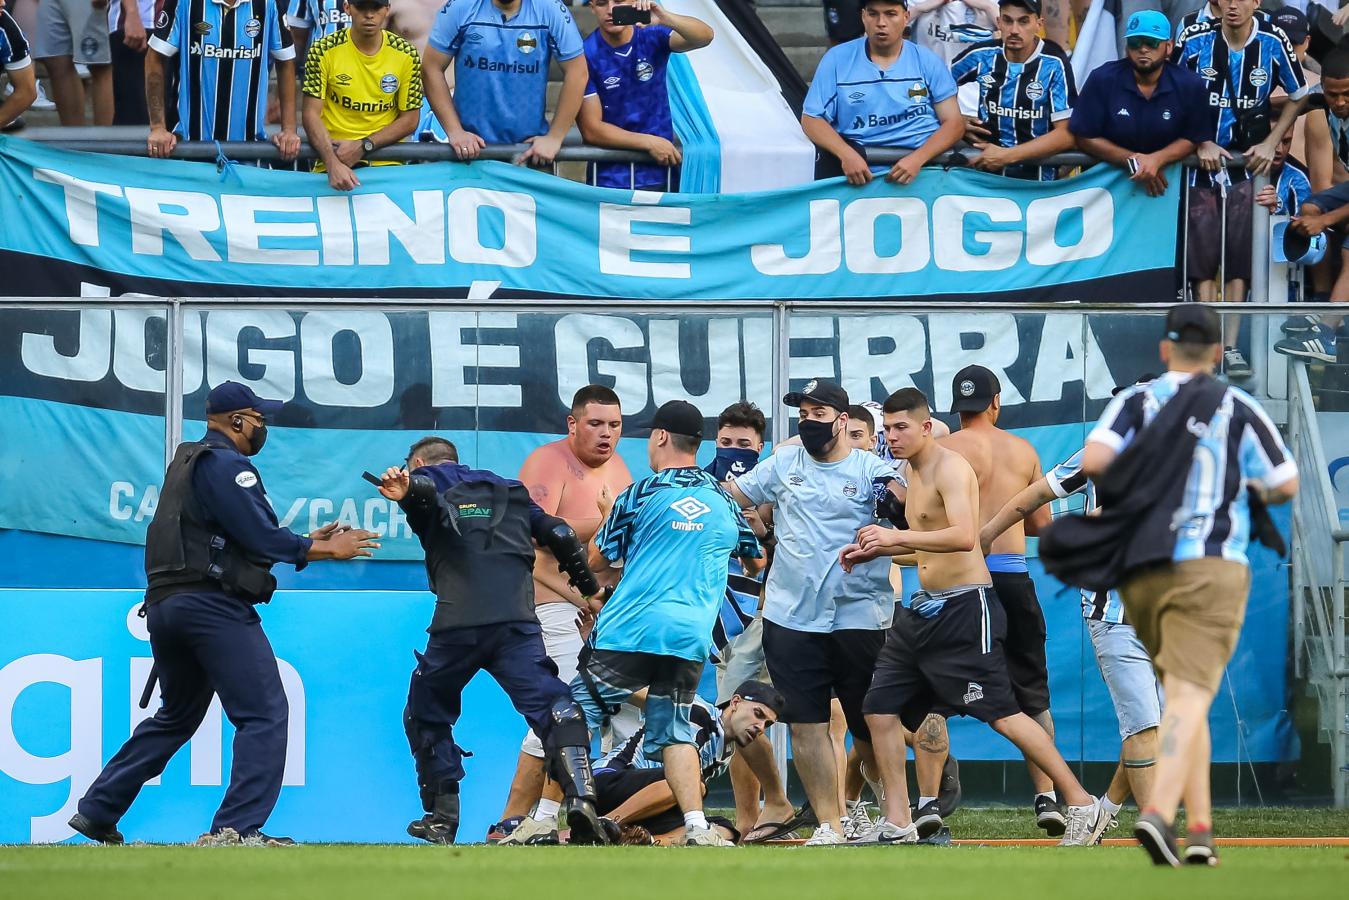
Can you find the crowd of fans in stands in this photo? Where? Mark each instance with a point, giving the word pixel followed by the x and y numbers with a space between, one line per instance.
pixel 927 77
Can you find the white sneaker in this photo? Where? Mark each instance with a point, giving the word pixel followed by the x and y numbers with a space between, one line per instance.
pixel 1084 825
pixel 886 832
pixel 705 837
pixel 825 836
pixel 532 832
pixel 858 821
pixel 43 101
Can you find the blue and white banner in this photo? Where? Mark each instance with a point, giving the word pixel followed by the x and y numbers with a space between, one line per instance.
pixel 185 229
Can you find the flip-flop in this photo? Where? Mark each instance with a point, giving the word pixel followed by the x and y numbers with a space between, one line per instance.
pixel 768 831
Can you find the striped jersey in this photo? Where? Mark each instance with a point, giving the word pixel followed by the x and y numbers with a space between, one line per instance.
pixel 1238 445
pixel 319 17
pixel 14 53
pixel 1240 81
pixel 1019 101
pixel 225 57
pixel 1067 479
pixel 1293 187
pixel 714 751
pixel 1205 14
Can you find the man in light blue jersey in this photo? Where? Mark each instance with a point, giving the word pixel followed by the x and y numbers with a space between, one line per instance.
pixel 501 50
pixel 1026 95
pixel 881 91
pixel 1188 611
pixel 1123 661
pixel 822 632
pixel 225 53
pixel 671 536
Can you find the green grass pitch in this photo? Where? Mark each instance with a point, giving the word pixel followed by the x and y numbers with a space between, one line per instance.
pixel 560 873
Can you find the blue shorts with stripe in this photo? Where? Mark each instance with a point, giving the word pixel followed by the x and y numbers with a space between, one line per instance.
pixel 944 654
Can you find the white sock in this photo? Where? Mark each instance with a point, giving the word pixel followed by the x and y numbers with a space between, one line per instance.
pixel 924 801
pixel 1110 806
pixel 1050 795
pixel 547 810
pixel 695 819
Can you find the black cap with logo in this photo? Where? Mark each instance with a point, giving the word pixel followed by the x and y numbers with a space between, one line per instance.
pixel 973 389
pixel 678 417
pixel 759 692
pixel 817 390
pixel 1292 22
pixel 1193 323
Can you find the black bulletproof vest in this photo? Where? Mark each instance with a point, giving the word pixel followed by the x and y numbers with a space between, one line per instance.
pixel 480 558
pixel 185 553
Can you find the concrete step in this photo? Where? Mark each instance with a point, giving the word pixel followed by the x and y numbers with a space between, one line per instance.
pixel 795 26
pixel 806 59
pixel 761 5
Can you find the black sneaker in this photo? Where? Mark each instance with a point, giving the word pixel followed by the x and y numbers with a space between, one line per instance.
pixel 1158 838
pixel 1298 326
pixel 948 795
pixel 1200 849
pixel 1318 346
pixel 13 126
pixel 94 831
pixel 432 830
pixel 928 820
pixel 584 823
pixel 1049 816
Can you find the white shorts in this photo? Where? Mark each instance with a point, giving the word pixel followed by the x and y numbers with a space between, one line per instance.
pixel 563 643
pixel 72 28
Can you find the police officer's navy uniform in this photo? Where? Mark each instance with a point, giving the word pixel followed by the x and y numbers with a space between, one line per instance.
pixel 208 553
pixel 478 530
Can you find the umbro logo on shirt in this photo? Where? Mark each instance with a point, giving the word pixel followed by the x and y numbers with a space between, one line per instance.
pixel 343 79
pixel 690 508
pixel 1122 112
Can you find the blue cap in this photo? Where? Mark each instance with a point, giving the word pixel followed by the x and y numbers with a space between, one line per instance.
pixel 232 396
pixel 1148 23
pixel 1295 248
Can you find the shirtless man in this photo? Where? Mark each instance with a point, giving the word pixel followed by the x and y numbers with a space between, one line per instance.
pixel 566 478
pixel 1005 465
pixel 944 651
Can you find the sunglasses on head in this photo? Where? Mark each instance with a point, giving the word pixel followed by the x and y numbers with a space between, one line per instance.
pixel 1138 43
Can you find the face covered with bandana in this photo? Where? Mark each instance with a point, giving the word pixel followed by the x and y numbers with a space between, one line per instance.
pixel 820 428
pixel 738 449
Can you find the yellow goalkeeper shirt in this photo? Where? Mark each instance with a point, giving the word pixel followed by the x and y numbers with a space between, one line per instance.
pixel 362 94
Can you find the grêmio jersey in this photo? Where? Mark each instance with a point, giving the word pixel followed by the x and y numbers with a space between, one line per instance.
pixel 1019 102
pixel 630 84
pixel 224 63
pixel 319 17
pixel 875 107
pixel 501 64
pixel 362 94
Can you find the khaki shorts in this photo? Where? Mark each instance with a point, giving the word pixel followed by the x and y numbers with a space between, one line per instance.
pixel 1188 615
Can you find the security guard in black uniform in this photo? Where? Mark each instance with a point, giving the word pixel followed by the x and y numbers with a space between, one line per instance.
pixel 208 558
pixel 479 530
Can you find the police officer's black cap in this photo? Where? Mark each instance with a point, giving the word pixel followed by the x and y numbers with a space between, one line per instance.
pixel 973 389
pixel 761 692
pixel 232 396
pixel 1193 323
pixel 1031 5
pixel 678 417
pixel 817 390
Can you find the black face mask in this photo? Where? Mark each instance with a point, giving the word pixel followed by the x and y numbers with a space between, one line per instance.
pixel 816 436
pixel 257 439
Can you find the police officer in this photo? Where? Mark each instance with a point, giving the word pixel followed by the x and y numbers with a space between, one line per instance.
pixel 479 530
pixel 208 556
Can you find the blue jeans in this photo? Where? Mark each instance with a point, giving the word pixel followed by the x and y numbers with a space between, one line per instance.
pixel 1128 675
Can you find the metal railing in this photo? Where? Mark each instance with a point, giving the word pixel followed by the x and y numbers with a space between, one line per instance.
pixel 1320 579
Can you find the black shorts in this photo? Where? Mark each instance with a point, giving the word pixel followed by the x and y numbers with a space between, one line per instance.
pixel 614 787
pixel 842 20
pixel 1204 249
pixel 952 663
pixel 809 667
pixel 1024 646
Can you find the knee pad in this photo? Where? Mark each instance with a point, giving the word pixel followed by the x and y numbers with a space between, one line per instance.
pixel 568 725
